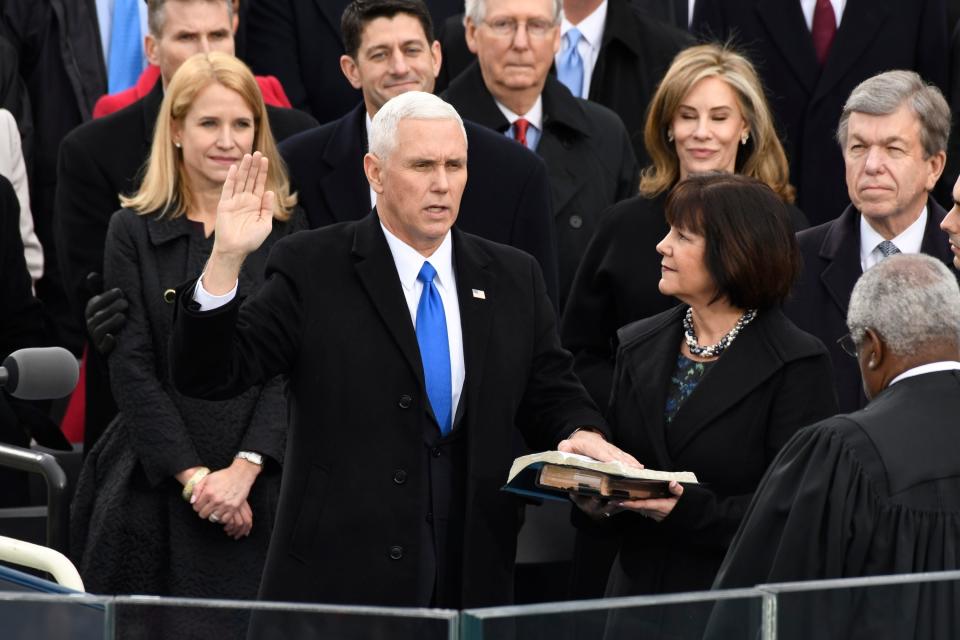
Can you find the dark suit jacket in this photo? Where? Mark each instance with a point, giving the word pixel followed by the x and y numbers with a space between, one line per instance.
pixel 588 156
pixel 98 161
pixel 635 53
pixel 358 407
pixel 507 198
pixel 831 266
pixel 873 37
pixel 773 380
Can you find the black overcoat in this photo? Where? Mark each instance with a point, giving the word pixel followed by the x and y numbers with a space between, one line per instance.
pixel 333 316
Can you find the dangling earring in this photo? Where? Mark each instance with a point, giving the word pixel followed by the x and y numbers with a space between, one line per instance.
pixel 669 135
pixel 744 137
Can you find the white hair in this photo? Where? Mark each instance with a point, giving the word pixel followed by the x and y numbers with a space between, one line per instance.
pixel 911 300
pixel 415 105
pixel 476 10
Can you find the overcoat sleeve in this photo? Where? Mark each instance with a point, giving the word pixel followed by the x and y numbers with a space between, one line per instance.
pixel 157 431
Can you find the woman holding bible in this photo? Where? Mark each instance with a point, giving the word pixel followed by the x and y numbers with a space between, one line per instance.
pixel 715 385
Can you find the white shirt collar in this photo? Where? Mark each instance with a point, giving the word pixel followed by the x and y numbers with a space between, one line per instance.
pixel 908 242
pixel 591 27
pixel 931 367
pixel 809 6
pixel 534 116
pixel 409 261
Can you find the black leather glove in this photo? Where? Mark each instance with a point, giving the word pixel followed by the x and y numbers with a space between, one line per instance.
pixel 105 314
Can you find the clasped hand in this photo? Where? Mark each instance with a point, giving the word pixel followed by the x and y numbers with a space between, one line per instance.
pixel 224 493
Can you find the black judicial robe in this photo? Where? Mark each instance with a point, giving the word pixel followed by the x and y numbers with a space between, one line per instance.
pixel 870 493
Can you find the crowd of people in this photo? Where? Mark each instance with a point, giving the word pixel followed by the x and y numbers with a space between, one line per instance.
pixel 316 306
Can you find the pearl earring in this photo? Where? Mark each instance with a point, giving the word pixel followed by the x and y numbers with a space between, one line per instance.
pixel 176 144
pixel 744 137
pixel 670 135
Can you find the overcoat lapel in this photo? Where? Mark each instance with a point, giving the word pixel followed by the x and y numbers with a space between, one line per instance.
pixel 477 292
pixel 378 273
pixel 841 247
pixel 345 188
pixel 746 364
pixel 783 21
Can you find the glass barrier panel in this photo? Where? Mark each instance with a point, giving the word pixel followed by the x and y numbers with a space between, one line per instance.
pixel 30 616
pixel 668 617
pixel 146 618
pixel 907 606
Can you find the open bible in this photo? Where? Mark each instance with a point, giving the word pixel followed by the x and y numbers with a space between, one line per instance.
pixel 555 474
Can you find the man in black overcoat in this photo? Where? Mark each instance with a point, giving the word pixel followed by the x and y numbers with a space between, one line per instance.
pixel 635 51
pixel 587 150
pixel 414 351
pixel 893 156
pixel 872 36
pixel 508 197
pixel 102 158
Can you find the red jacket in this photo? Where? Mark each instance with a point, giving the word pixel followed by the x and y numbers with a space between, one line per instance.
pixel 270 87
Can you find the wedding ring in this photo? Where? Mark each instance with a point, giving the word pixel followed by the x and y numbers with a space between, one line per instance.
pixel 214 518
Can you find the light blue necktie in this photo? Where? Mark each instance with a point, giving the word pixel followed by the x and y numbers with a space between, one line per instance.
pixel 888 249
pixel 570 68
pixel 434 348
pixel 126 48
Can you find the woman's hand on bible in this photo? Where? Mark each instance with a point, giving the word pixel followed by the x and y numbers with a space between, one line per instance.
pixel 656 508
pixel 245 211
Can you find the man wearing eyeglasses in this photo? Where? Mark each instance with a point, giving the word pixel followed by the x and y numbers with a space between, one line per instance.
pixel 509 89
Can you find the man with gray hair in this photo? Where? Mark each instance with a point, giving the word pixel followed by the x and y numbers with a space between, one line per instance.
pixel 877 491
pixel 413 351
pixel 893 133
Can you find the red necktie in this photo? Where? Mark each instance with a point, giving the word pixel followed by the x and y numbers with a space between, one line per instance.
pixel 520 126
pixel 824 29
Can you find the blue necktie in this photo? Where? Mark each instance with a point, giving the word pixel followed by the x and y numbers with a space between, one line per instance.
pixel 570 68
pixel 434 348
pixel 126 49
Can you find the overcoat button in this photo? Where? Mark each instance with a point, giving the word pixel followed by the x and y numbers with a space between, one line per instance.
pixel 405 401
pixel 400 476
pixel 576 221
pixel 435 452
pixel 170 296
pixel 396 552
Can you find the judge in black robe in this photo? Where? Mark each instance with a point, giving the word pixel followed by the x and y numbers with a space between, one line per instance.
pixel 873 492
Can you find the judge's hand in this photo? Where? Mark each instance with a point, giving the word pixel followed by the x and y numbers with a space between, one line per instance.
pixel 220 497
pixel 244 220
pixel 655 508
pixel 593 445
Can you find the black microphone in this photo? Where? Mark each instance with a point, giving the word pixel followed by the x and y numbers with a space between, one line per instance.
pixel 39 374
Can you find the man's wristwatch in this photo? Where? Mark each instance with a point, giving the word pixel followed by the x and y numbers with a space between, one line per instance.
pixel 250 456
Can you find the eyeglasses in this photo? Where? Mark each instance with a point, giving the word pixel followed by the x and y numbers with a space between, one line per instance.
pixel 848 345
pixel 507 27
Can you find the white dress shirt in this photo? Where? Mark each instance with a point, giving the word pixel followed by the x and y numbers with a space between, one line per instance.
pixel 408 263
pixel 13 168
pixel 908 242
pixel 534 117
pixel 591 28
pixel 931 367
pixel 105 21
pixel 808 6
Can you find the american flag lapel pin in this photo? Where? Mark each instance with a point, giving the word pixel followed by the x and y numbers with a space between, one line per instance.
pixel 480 294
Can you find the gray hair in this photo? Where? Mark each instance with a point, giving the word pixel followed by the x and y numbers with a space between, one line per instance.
pixel 157 16
pixel 884 93
pixel 476 10
pixel 415 105
pixel 910 300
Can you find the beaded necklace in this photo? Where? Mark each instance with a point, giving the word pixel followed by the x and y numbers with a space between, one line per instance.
pixel 713 350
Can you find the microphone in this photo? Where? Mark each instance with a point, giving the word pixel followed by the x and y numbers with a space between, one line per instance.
pixel 40 373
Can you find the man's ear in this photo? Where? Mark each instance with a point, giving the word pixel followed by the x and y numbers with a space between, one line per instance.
pixel 372 167
pixel 937 163
pixel 350 71
pixel 876 349
pixel 435 50
pixel 150 47
pixel 470 33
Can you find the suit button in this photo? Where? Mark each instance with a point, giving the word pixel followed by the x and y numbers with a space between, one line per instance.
pixel 396 552
pixel 430 517
pixel 576 221
pixel 435 452
pixel 399 476
pixel 405 401
pixel 170 296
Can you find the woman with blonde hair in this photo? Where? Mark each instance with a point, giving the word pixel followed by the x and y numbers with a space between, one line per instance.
pixel 709 114
pixel 178 497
